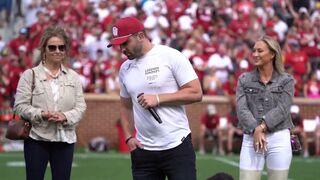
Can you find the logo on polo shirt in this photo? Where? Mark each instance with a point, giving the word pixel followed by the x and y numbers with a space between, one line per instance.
pixel 152 74
pixel 115 31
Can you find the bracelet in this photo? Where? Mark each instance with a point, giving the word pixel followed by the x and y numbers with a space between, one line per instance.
pixel 128 139
pixel 158 100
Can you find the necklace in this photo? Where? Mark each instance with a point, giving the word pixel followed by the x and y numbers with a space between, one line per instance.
pixel 54 76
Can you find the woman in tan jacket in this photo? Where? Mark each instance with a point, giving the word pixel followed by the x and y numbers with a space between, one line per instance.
pixel 57 107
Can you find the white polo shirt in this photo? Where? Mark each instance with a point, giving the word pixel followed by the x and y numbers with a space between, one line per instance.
pixel 161 70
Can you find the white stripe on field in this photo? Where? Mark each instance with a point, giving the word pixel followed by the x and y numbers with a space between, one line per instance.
pixel 22 164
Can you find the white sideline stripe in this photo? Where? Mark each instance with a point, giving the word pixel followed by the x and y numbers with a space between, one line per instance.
pixel 226 161
pixel 99 156
pixel 232 163
pixel 22 164
pixel 80 155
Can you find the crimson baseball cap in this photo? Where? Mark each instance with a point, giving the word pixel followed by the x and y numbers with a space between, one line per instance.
pixel 123 29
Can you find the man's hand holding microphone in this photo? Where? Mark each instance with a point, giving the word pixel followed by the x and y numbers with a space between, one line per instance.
pixel 149 102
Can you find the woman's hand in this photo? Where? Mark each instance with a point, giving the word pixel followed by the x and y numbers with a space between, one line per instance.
pixel 53 116
pixel 259 139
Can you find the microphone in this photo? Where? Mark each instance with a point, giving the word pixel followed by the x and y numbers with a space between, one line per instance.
pixel 153 112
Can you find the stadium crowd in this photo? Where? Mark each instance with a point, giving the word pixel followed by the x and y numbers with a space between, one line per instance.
pixel 216 36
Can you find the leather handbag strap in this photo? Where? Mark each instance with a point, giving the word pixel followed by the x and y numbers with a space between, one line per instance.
pixel 33 85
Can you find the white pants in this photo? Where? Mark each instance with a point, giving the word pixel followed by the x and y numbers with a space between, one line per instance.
pixel 277 157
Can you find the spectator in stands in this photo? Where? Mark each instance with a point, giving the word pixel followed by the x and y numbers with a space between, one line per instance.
pixel 22 39
pixel 24 58
pixel 15 69
pixel 96 41
pixel 317 136
pixel 168 81
pixel 76 66
pixel 298 82
pixel 280 27
pixel 298 60
pixel 6 6
pixel 156 25
pixel 209 129
pixel 221 61
pixel 36 30
pixel 57 107
pixel 211 83
pixel 230 86
pixel 243 67
pixel 2 45
pixel 112 82
pixel 239 25
pixel 4 82
pixel 86 68
pixel 233 130
pixel 98 83
pixel 311 89
pixel 298 129
pixel 189 48
pixel 198 62
pixel 31 9
pixel 263 110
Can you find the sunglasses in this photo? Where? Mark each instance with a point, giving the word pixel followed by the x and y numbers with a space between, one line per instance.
pixel 53 48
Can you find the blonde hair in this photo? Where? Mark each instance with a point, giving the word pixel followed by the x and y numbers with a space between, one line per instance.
pixel 274 47
pixel 53 31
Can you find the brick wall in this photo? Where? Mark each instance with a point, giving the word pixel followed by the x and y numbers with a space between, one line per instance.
pixel 103 112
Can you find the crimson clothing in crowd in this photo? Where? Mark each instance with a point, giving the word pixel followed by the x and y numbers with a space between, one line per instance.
pixel 14 76
pixel 210 121
pixel 230 88
pixel 310 47
pixel 239 26
pixel 14 44
pixel 298 61
pixel 298 85
pixel 198 61
pixel 35 33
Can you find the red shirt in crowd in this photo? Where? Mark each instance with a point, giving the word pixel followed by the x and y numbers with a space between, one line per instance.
pixel 298 83
pixel 210 121
pixel 298 61
pixel 14 44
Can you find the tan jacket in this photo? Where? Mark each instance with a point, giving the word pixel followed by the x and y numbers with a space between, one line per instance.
pixel 71 102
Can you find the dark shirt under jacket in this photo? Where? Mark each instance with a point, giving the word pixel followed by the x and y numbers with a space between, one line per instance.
pixel 270 102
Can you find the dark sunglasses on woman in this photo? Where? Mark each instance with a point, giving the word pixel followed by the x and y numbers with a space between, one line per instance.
pixel 53 48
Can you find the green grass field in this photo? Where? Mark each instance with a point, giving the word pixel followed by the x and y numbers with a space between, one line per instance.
pixel 114 166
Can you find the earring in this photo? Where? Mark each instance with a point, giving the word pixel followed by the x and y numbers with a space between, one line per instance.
pixel 44 59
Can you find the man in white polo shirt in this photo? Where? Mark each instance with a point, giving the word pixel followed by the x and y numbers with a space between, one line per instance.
pixel 160 80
